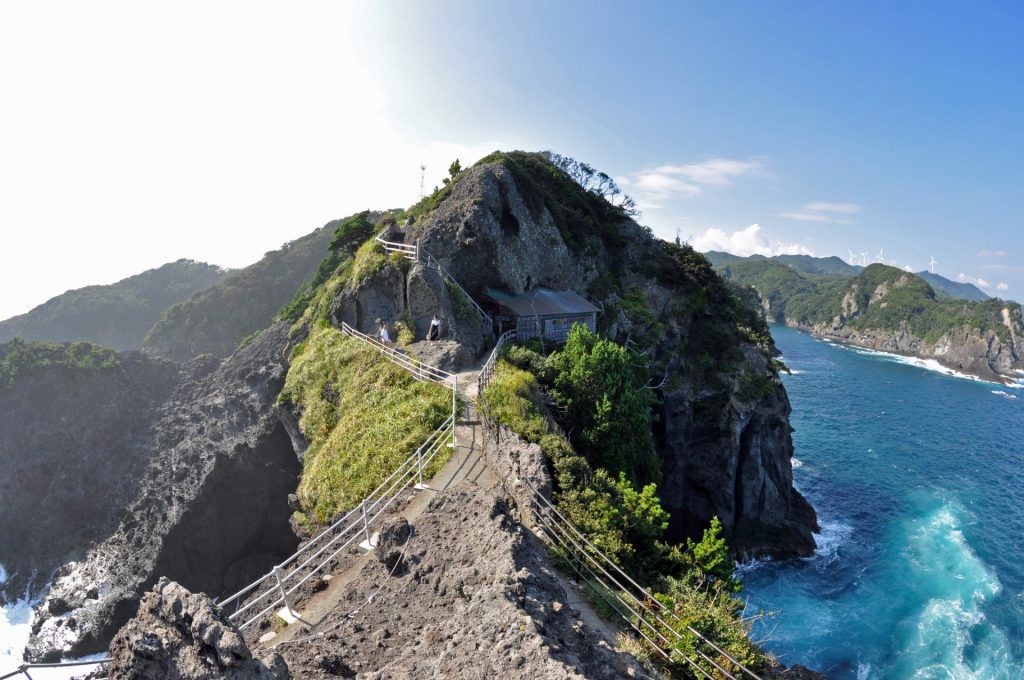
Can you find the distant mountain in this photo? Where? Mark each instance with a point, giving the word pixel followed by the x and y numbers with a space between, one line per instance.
pixel 117 315
pixel 888 309
pixel 946 288
pixel 215 320
pixel 826 266
pixel 818 265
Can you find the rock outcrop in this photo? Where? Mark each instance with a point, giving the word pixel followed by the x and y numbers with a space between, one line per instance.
pixel 475 598
pixel 726 449
pixel 210 510
pixel 73 445
pixel 181 635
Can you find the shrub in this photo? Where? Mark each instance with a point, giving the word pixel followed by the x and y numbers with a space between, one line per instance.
pixel 600 392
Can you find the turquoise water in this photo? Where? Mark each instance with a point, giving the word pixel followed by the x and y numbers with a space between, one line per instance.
pixel 918 480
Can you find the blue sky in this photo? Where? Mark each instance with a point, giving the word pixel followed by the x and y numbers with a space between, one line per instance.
pixel 135 135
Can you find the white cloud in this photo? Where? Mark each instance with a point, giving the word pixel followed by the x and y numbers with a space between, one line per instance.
pixel 907 268
pixel 651 186
pixel 822 211
pixel 979 282
pixel 749 241
pixel 992 253
pixel 841 208
pixel 1002 287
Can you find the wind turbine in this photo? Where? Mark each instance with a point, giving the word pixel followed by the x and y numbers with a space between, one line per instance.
pixel 932 265
pixel 864 259
pixel 880 258
pixel 853 258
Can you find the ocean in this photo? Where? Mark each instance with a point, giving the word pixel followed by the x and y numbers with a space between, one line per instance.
pixel 918 480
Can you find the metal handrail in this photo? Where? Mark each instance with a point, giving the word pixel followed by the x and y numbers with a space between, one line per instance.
pixel 409 251
pixel 419 370
pixel 487 371
pixel 581 548
pixel 431 261
pixel 355 524
pixel 26 667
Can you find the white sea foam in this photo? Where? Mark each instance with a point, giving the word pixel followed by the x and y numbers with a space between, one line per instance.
pixel 1005 395
pixel 797 463
pixel 949 635
pixel 927 364
pixel 833 536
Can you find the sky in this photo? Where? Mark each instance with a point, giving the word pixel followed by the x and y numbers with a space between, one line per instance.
pixel 133 134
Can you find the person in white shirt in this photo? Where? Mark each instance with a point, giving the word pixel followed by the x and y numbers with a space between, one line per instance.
pixel 385 337
pixel 434 332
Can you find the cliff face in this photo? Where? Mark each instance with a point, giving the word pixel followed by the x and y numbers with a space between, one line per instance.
pixel 209 509
pixel 725 440
pixel 890 310
pixel 73 445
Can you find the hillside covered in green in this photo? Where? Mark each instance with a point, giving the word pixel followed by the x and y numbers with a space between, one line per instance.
pixel 891 310
pixel 217 319
pixel 117 315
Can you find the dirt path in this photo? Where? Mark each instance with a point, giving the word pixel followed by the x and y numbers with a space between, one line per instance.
pixel 467 463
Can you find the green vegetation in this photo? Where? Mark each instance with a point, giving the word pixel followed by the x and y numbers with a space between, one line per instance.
pixel 595 490
pixel 118 315
pixel 349 234
pixel 581 216
pixel 807 299
pixel 600 389
pixel 244 302
pixel 362 415
pixel 20 359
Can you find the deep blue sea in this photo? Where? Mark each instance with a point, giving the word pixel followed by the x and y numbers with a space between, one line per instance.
pixel 918 480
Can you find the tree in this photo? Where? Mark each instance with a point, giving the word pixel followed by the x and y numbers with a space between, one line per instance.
pixel 708 560
pixel 453 172
pixel 600 390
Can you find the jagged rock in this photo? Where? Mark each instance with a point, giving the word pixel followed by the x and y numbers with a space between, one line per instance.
pixel 180 635
pixel 476 600
pixel 732 460
pixel 210 511
pixel 73 446
pixel 391 541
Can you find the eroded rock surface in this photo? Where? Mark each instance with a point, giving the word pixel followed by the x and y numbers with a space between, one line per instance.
pixel 179 635
pixel 211 509
pixel 73 445
pixel 475 599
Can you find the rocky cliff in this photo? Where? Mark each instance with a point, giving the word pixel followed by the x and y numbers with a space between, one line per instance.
pixel 209 509
pixel 991 351
pixel 513 222
pixel 74 440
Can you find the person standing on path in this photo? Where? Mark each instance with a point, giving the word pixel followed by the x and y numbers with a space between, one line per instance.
pixel 385 337
pixel 434 332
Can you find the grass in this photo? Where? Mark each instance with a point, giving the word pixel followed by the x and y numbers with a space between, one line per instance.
pixel 362 416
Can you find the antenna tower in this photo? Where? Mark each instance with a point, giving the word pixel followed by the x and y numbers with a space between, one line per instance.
pixel 423 173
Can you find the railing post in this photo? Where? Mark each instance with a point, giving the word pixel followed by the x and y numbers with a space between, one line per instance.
pixel 419 465
pixel 24 670
pixel 280 586
pixel 455 406
pixel 366 523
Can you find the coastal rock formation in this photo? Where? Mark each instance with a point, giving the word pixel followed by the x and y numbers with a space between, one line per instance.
pixel 178 634
pixel 73 444
pixel 889 310
pixel 726 447
pixel 210 510
pixel 475 598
